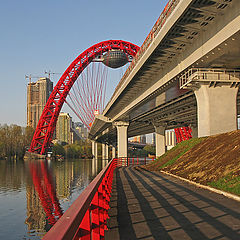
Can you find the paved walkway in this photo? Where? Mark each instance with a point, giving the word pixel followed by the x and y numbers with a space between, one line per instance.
pixel 147 205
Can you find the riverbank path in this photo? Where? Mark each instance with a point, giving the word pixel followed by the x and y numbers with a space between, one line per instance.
pixel 149 205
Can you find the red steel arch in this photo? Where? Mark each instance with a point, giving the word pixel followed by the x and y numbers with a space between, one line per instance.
pixel 47 122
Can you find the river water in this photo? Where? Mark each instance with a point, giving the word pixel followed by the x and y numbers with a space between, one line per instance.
pixel 34 194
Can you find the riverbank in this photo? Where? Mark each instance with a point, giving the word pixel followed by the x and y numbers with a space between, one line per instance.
pixel 213 161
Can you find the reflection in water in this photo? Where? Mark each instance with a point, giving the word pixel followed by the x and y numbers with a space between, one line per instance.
pixel 35 194
pixel 104 163
pixel 43 184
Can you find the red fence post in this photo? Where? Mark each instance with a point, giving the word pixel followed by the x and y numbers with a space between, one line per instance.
pixel 85 227
pixel 95 218
pixel 137 160
pixel 145 160
pixel 101 211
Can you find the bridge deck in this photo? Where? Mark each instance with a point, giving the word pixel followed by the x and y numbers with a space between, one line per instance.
pixel 147 205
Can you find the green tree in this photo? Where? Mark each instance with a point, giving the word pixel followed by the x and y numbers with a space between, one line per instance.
pixel 150 149
pixel 58 150
pixel 29 131
pixel 13 141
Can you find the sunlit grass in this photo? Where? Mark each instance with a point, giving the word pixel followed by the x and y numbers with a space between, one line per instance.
pixel 184 146
pixel 230 183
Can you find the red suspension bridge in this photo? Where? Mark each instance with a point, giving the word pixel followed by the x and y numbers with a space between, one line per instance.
pixel 88 94
pixel 43 134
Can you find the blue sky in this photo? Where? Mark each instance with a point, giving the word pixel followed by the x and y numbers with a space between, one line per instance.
pixel 48 35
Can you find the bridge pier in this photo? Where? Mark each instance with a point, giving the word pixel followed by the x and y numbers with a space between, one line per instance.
pixel 103 151
pixel 113 152
pixel 122 138
pixel 170 139
pixel 194 131
pixel 217 109
pixel 216 94
pixel 107 150
pixel 160 140
pixel 94 149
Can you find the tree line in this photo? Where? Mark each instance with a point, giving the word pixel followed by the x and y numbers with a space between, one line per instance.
pixel 148 150
pixel 14 140
pixel 79 149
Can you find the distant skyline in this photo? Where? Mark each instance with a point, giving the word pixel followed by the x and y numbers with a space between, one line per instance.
pixel 38 36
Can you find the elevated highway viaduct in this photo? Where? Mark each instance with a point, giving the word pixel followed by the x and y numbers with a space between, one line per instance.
pixel 187 72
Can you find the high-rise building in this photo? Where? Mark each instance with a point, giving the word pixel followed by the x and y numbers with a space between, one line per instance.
pixel 154 139
pixel 143 139
pixel 82 130
pixel 37 96
pixel 64 128
pixel 140 139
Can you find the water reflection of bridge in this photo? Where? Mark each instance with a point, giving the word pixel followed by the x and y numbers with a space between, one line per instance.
pixel 52 188
pixel 45 187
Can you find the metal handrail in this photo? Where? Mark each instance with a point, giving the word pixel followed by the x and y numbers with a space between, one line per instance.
pixel 209 74
pixel 86 218
pixel 131 161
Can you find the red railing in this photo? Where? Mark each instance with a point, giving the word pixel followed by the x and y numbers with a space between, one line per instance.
pixel 87 217
pixel 183 133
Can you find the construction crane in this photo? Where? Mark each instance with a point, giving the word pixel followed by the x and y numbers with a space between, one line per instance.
pixel 51 73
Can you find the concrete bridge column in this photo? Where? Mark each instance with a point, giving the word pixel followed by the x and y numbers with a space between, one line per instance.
pixel 106 153
pixel 194 131
pixel 160 140
pixel 217 109
pixel 94 166
pixel 113 152
pixel 103 151
pixel 122 138
pixel 170 139
pixel 94 149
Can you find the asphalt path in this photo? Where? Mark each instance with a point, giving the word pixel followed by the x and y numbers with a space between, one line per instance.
pixel 149 205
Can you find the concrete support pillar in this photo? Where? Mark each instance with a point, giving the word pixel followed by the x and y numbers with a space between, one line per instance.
pixel 107 155
pixel 194 131
pixel 170 139
pixel 94 167
pixel 113 152
pixel 122 138
pixel 217 109
pixel 103 151
pixel 94 149
pixel 160 140
pixel 174 141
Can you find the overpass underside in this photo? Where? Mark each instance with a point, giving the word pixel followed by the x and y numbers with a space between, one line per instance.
pixel 166 86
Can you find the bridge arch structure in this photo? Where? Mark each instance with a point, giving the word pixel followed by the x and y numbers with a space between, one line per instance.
pixel 47 122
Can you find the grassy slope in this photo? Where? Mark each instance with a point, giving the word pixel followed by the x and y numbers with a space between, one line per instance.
pixel 211 161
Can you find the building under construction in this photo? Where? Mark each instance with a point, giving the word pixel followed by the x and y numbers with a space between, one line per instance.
pixel 37 96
